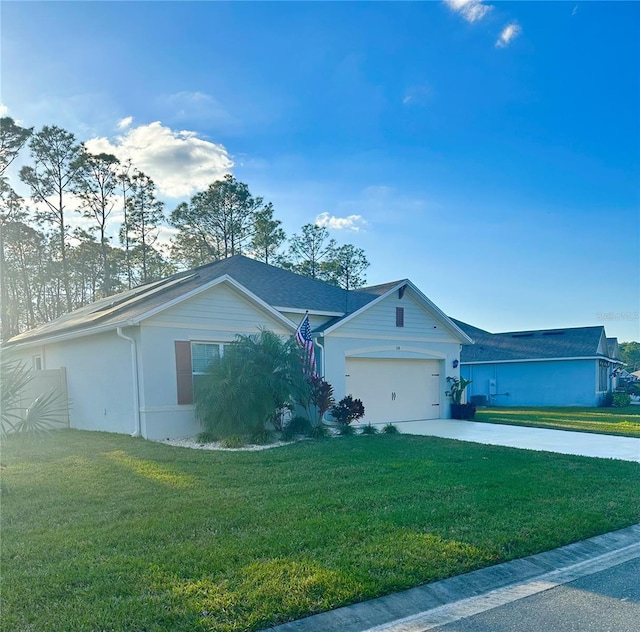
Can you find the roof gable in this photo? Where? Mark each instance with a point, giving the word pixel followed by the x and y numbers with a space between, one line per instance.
pixel 385 291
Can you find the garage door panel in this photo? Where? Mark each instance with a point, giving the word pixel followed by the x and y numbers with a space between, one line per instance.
pixel 395 389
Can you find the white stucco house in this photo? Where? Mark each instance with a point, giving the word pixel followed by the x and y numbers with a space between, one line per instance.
pixel 130 359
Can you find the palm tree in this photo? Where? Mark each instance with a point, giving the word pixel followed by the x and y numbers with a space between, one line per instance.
pixel 258 376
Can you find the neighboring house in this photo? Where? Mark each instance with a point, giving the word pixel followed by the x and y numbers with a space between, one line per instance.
pixel 551 367
pixel 130 359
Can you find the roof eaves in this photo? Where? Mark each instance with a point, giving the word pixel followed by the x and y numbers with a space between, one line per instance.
pixel 67 334
pixel 562 359
pixel 313 312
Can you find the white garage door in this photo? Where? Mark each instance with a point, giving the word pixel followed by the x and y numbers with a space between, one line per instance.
pixel 395 390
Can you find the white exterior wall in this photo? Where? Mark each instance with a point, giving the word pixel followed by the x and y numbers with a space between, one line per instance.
pixel 374 334
pixel 110 388
pixel 99 381
pixel 213 316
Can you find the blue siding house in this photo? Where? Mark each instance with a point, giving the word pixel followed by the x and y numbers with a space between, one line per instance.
pixel 551 367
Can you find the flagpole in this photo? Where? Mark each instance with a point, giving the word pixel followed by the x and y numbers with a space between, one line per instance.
pixel 304 338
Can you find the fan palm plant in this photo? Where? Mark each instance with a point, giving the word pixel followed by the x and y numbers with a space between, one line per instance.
pixel 45 411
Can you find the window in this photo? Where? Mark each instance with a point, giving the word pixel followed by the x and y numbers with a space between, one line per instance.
pixel 193 359
pixel 203 355
pixel 37 363
pixel 603 375
pixel 399 316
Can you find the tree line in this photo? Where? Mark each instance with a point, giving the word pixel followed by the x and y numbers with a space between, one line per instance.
pixel 47 269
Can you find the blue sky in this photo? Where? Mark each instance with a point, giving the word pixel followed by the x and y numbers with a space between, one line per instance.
pixel 488 151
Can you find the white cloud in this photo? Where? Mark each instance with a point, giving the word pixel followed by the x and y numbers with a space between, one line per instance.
pixel 4 110
pixel 509 33
pixel 418 95
pixel 178 162
pixel 470 10
pixel 195 106
pixel 351 222
pixel 125 122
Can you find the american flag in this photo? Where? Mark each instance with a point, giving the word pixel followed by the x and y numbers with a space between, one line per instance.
pixel 305 340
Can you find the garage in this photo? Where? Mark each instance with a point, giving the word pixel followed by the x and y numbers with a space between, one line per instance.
pixel 395 389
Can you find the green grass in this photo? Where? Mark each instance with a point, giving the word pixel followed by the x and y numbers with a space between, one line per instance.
pixel 106 532
pixel 614 421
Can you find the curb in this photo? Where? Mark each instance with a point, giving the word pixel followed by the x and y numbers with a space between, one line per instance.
pixel 435 604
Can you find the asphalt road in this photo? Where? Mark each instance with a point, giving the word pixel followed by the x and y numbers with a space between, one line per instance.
pixel 607 601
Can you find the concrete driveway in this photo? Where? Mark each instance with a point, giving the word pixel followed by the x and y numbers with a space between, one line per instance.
pixel 561 441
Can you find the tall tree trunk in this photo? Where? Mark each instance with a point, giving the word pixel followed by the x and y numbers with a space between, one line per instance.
pixel 4 295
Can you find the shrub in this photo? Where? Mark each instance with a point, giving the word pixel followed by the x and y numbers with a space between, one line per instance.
pixel 297 426
pixel 206 437
pixel 264 437
pixel 244 390
pixel 347 410
pixel 457 388
pixel 319 432
pixel 321 395
pixel 346 430
pixel 233 441
pixel 620 400
pixel 369 430
pixel 390 429
pixel 606 401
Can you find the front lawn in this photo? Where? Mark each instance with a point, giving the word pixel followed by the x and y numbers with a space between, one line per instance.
pixel 105 532
pixel 614 421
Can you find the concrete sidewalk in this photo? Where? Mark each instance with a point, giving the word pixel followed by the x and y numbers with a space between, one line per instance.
pixel 561 441
pixel 433 605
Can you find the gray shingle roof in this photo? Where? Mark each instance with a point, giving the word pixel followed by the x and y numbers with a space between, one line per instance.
pixel 275 286
pixel 572 342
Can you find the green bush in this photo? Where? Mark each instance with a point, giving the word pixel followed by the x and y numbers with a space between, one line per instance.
pixel 233 441
pixel 369 430
pixel 620 400
pixel 319 432
pixel 263 437
pixel 206 437
pixel 295 427
pixel 346 430
pixel 390 429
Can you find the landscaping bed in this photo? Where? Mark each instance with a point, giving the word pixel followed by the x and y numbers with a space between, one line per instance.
pixel 615 421
pixel 106 532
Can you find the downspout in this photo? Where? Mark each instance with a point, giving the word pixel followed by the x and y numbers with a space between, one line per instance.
pixel 321 347
pixel 134 376
pixel 317 341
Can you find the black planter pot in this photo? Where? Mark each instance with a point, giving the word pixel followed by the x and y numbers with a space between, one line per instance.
pixel 463 411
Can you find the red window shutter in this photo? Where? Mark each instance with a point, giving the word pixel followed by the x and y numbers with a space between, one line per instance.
pixel 183 372
pixel 399 316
